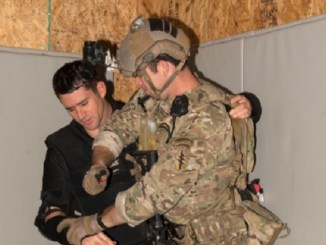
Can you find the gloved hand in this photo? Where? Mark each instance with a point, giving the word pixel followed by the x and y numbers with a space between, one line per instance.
pixel 79 228
pixel 241 107
pixel 95 179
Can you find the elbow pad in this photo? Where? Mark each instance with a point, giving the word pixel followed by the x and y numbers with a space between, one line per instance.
pixel 49 229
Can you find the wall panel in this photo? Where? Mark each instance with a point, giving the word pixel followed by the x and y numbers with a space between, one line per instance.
pixel 29 111
pixel 286 68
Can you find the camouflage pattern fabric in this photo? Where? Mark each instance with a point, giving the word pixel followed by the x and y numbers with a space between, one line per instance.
pixel 264 227
pixel 190 183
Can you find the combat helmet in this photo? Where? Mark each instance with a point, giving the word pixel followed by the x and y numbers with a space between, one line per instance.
pixel 148 38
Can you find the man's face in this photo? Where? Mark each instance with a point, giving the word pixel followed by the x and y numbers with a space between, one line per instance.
pixel 158 80
pixel 86 107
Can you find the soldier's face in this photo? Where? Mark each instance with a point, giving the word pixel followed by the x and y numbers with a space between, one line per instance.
pixel 157 78
pixel 86 107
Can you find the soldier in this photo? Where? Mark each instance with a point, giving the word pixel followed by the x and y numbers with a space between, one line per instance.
pixel 191 131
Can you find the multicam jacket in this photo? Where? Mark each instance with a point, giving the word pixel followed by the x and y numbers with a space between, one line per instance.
pixel 192 175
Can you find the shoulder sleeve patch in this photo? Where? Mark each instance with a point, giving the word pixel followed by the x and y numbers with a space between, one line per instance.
pixel 181 148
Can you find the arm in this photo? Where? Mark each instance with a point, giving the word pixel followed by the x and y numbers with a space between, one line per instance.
pixel 84 230
pixel 95 179
pixel 109 143
pixel 54 198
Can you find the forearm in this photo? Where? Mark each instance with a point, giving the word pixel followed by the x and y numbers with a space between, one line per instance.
pixel 115 134
pixel 48 221
pixel 111 217
pixel 83 228
pixel 102 155
pixel 53 212
pixel 95 180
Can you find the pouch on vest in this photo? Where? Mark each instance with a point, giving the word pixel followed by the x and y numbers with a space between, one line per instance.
pixel 244 141
pixel 224 227
pixel 264 227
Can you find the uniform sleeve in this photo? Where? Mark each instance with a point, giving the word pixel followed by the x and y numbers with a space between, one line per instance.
pixel 173 180
pixel 121 129
pixel 54 193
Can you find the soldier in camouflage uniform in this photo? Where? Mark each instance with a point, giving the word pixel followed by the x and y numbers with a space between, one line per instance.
pixel 192 132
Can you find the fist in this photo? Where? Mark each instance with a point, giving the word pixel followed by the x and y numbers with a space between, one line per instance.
pixel 79 228
pixel 241 107
pixel 95 179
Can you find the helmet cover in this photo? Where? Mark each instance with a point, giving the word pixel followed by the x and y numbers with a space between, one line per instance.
pixel 148 38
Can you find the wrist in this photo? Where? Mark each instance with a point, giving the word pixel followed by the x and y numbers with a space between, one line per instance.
pixel 50 230
pixel 102 156
pixel 100 222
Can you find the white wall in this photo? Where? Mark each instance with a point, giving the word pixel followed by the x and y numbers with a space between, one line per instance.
pixel 286 68
pixel 29 111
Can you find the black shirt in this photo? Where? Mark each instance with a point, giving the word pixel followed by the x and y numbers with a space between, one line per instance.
pixel 68 158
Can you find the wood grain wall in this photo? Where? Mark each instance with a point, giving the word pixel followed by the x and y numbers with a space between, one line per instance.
pixel 64 25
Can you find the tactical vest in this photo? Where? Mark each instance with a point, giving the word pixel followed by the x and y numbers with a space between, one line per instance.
pixel 244 139
pixel 247 222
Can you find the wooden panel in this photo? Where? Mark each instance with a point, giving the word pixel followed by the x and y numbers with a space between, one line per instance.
pixel 23 23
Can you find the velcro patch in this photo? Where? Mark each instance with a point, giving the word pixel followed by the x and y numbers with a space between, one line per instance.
pixel 182 152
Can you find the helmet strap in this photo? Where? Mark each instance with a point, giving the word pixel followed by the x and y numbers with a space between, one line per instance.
pixel 158 92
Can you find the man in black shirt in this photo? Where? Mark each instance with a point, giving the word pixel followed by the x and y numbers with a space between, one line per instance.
pixel 68 157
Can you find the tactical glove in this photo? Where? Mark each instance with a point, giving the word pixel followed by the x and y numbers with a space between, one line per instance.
pixel 80 228
pixel 95 179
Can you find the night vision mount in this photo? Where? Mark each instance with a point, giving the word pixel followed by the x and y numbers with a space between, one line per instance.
pixel 95 53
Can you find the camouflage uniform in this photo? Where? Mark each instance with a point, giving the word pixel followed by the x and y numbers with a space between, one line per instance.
pixel 189 184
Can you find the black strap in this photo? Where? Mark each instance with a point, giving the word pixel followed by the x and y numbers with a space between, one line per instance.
pixel 245 195
pixel 99 220
pixel 52 210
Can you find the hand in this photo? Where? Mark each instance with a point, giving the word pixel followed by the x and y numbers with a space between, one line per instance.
pixel 79 228
pixel 241 107
pixel 98 239
pixel 95 179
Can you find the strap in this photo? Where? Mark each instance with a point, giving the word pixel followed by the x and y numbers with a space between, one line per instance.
pixel 170 80
pixel 286 229
pixel 52 210
pixel 99 220
pixel 156 91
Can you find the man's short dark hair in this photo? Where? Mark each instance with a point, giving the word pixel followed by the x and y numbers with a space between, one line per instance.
pixel 73 75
